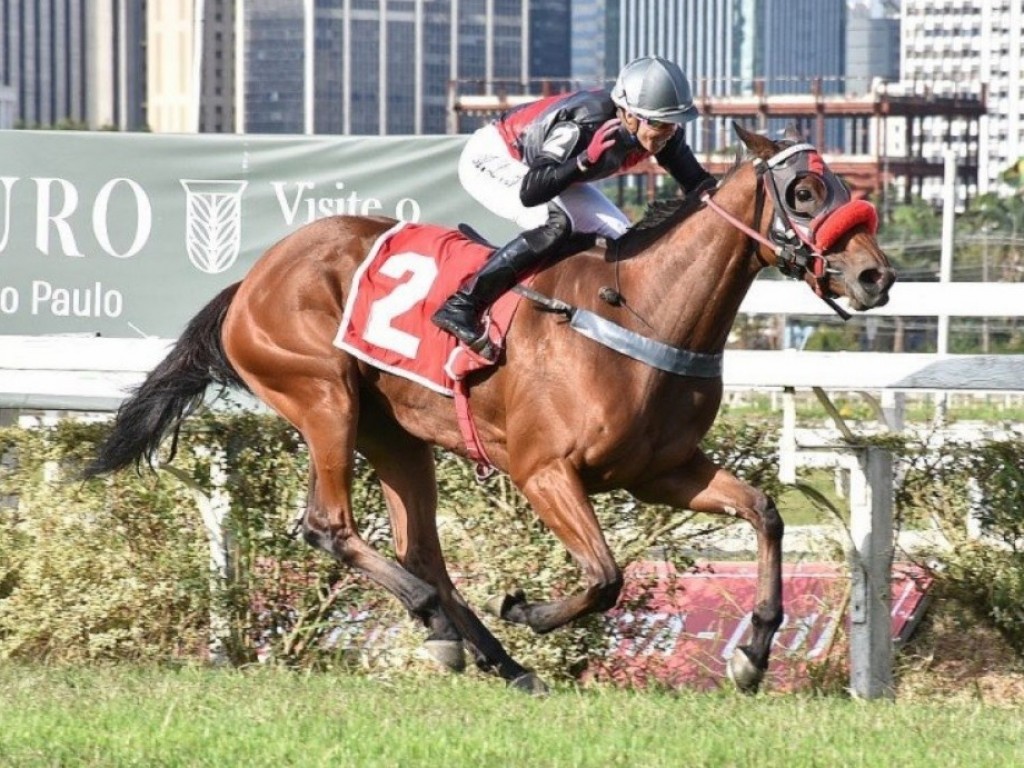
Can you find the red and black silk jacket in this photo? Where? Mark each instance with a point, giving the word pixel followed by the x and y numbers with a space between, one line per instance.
pixel 548 135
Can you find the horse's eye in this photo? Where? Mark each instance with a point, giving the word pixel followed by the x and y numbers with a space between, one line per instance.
pixel 804 195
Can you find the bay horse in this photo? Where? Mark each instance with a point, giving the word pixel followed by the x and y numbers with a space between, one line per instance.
pixel 563 416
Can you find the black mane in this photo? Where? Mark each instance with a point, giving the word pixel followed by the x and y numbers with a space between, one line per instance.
pixel 659 217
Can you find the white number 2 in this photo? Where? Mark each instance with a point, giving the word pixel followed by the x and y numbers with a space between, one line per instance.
pixel 562 138
pixel 404 297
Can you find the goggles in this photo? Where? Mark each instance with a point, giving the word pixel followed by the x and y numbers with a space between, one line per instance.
pixel 654 123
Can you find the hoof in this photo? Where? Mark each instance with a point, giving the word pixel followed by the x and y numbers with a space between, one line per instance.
pixel 448 653
pixel 493 606
pixel 743 673
pixel 529 683
pixel 500 606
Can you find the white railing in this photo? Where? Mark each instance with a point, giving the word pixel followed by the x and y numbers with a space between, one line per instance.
pixel 94 374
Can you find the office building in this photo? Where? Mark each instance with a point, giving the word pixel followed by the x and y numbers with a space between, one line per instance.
pixel 191 88
pixel 385 68
pixel 73 63
pixel 969 47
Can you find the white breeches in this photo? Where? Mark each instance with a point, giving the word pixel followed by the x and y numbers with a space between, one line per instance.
pixel 494 177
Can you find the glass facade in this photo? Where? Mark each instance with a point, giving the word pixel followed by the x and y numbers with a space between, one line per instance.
pixel 73 61
pixel 472 40
pixel 385 66
pixel 588 63
pixel 329 35
pixel 364 69
pixel 274 79
pixel 436 66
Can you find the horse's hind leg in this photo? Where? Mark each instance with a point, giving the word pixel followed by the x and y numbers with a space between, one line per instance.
pixel 406 470
pixel 319 396
pixel 702 486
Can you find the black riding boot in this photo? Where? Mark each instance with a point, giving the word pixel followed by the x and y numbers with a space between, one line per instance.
pixel 461 314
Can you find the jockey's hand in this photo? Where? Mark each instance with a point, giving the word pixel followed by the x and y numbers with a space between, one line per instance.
pixel 603 139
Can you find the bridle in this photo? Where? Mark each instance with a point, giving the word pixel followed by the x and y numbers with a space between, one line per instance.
pixel 798 239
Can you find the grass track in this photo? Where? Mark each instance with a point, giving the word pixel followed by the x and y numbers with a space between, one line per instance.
pixel 198 717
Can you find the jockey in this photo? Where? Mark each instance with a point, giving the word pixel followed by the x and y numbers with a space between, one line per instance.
pixel 534 165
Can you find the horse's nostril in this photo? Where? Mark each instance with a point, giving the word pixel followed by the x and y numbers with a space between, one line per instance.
pixel 869 278
pixel 876 280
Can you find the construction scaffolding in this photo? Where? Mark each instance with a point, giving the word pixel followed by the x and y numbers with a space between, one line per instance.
pixel 874 140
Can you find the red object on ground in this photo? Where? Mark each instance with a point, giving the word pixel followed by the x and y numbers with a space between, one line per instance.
pixel 679 629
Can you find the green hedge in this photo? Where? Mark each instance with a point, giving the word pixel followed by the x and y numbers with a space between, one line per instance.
pixel 983 569
pixel 118 568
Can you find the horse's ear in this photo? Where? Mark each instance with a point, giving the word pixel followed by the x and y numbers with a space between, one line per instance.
pixel 759 145
pixel 792 134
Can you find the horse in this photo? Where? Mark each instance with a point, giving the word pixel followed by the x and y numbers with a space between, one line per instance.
pixel 565 417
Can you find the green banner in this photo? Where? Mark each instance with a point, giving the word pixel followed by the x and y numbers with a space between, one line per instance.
pixel 128 235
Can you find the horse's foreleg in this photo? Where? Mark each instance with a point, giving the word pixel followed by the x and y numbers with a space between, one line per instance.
pixel 405 468
pixel 704 487
pixel 557 496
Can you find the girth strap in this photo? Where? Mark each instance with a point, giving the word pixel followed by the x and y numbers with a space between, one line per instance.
pixel 664 357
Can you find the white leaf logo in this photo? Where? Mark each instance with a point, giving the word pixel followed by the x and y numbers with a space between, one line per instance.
pixel 213 223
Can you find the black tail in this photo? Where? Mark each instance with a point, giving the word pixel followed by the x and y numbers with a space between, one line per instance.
pixel 170 392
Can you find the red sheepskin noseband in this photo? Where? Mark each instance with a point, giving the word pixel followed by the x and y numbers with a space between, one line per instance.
pixel 842 220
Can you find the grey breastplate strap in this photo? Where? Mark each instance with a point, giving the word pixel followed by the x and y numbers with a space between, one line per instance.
pixel 655 354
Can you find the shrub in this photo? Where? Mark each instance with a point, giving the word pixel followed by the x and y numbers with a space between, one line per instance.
pixel 110 570
pixel 118 568
pixel 981 483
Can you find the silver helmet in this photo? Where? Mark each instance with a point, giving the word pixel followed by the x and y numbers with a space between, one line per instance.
pixel 655 88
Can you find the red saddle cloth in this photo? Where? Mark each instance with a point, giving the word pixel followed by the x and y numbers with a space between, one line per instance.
pixel 408 273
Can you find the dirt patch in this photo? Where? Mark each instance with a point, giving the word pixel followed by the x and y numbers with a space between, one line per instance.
pixel 952 656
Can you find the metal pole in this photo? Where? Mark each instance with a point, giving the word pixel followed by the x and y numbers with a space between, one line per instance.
pixel 309 58
pixel 946 267
pixel 946 258
pixel 240 51
pixel 198 37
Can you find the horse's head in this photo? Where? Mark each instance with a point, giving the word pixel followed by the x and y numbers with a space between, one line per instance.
pixel 814 230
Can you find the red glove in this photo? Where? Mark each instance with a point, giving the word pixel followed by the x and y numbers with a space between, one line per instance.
pixel 603 139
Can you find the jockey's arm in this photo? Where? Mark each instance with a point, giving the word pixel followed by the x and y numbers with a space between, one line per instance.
pixel 546 179
pixel 555 167
pixel 678 159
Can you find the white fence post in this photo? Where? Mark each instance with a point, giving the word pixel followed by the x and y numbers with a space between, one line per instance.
pixel 787 438
pixel 894 409
pixel 214 509
pixel 871 553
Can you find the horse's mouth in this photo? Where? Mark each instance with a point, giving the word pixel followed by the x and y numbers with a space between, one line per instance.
pixel 861 300
pixel 870 289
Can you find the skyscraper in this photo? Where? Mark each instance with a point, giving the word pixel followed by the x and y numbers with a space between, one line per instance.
pixel 273 46
pixel 550 39
pixel 964 46
pixel 385 67
pixel 727 46
pixel 8 107
pixel 342 66
pixel 190 88
pixel 74 62
pixel 704 37
pixel 590 40
pixel 798 40
pixel 872 44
